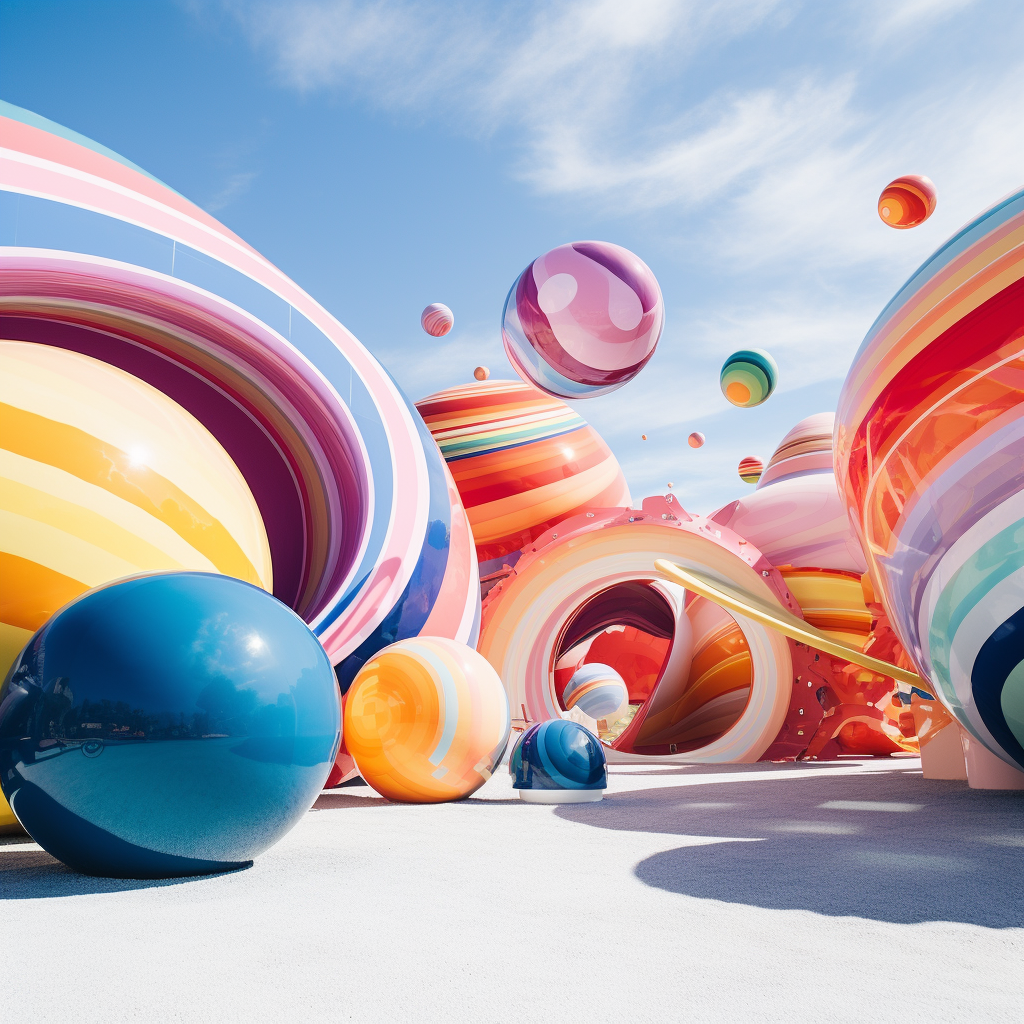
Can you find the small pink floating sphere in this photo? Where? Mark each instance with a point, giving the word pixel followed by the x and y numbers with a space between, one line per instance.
pixel 481 373
pixel 696 439
pixel 437 319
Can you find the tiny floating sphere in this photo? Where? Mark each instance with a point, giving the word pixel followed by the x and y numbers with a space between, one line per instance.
pixel 670 485
pixel 643 437
pixel 437 319
pixel 481 373
pixel 750 469
pixel 696 440
pixel 907 202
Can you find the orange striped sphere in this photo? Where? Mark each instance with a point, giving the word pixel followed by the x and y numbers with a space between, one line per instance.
pixel 522 461
pixel 102 476
pixel 426 720
pixel 907 201
pixel 750 469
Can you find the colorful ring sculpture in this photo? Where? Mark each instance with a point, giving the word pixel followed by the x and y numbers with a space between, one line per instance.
pixel 929 441
pixel 369 540
pixel 528 618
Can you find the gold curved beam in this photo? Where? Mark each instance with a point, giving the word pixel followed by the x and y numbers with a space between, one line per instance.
pixel 740 602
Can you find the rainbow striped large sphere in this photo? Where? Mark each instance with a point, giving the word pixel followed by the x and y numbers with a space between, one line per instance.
pixel 426 720
pixel 583 319
pixel 522 461
pixel 102 476
pixel 369 539
pixel 749 377
pixel 598 691
pixel 929 448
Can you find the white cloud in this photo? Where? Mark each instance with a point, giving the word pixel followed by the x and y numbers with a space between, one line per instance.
pixel 758 169
pixel 901 21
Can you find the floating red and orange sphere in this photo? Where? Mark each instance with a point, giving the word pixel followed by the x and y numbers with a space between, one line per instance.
pixel 696 440
pixel 750 469
pixel 907 201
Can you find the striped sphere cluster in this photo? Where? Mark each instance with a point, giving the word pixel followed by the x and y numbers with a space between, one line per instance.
pixel 583 319
pixel 929 446
pixel 102 476
pixel 522 461
pixel 907 202
pixel 558 754
pixel 598 691
pixel 367 533
pixel 437 319
pixel 426 720
pixel 749 377
pixel 750 469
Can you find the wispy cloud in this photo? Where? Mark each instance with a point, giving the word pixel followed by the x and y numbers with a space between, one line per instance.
pixel 237 185
pixel 748 139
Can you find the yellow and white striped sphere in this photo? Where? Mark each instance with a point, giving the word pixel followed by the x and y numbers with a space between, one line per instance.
pixel 103 476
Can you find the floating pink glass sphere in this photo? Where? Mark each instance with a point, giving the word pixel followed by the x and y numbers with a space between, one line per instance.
pixel 437 319
pixel 583 319
pixel 481 373
pixel 696 440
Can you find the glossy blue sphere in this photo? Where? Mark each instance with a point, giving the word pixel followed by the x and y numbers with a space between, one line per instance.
pixel 165 725
pixel 558 754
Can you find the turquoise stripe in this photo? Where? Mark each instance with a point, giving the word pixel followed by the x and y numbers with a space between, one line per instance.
pixel 451 700
pixel 510 439
pixel 44 124
pixel 993 562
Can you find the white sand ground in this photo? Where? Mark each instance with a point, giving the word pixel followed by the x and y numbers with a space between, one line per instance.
pixel 822 892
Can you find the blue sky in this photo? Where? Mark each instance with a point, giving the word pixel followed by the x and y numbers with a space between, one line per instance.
pixel 391 154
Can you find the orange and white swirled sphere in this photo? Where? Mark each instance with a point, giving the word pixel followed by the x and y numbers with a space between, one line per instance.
pixel 426 720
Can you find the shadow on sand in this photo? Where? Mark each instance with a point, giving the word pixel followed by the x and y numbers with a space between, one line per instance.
pixel 28 874
pixel 887 845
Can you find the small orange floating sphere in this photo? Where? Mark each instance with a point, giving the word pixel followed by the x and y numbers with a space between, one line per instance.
pixel 481 373
pixel 643 437
pixel 670 485
pixel 907 201
pixel 696 440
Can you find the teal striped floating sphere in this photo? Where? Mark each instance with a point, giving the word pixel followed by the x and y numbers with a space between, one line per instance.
pixel 749 377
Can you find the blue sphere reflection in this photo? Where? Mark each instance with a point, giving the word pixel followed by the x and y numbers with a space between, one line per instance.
pixel 165 725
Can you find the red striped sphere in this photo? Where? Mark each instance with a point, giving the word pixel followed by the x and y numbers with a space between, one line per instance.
pixel 522 461
pixel 750 469
pixel 907 201
pixel 437 319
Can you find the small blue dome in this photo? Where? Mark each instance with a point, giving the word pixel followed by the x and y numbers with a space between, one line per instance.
pixel 557 755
